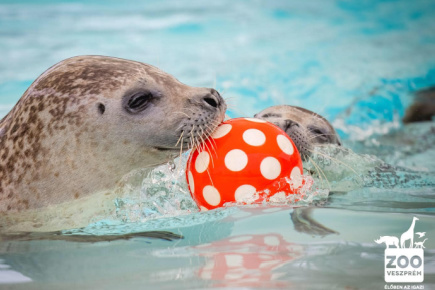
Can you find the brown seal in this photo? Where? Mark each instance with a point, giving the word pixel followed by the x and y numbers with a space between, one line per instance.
pixel 89 120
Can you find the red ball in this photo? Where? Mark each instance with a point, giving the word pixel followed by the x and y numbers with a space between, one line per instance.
pixel 245 160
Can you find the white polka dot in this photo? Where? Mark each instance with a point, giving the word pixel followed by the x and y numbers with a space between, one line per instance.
pixel 271 241
pixel 254 137
pixel 206 275
pixel 236 160
pixel 296 177
pixel 255 120
pixel 203 208
pixel 202 161
pixel 221 131
pixel 233 260
pixel 234 276
pixel 209 265
pixel 270 168
pixel 211 195
pixel 284 144
pixel 241 239
pixel 191 182
pixel 246 193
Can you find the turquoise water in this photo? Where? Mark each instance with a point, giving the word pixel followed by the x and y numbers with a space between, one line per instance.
pixel 357 63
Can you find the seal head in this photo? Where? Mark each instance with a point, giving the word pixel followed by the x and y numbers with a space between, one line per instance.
pixel 89 120
pixel 306 128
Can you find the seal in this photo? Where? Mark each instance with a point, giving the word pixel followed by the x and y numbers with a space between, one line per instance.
pixel 423 107
pixel 88 121
pixel 306 128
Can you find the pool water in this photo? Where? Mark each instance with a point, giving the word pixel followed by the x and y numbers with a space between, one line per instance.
pixel 356 63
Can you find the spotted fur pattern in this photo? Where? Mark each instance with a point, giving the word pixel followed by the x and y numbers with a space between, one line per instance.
pixel 57 144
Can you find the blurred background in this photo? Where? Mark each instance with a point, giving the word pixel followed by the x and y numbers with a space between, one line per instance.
pixel 356 62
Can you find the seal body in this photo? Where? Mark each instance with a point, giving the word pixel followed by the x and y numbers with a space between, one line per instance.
pixel 306 128
pixel 89 120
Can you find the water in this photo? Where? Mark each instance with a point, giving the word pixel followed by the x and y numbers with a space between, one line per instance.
pixel 357 63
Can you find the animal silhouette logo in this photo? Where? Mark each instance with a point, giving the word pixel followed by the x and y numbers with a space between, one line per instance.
pixel 404 256
pixel 404 238
pixel 421 234
pixel 388 240
pixel 420 244
pixel 408 235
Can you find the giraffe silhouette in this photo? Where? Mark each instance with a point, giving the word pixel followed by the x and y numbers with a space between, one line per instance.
pixel 408 235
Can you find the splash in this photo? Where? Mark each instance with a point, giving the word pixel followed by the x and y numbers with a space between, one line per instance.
pixel 160 193
pixel 342 170
pixel 163 193
pixel 160 198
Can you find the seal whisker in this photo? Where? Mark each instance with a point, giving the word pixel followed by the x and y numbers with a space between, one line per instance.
pixel 104 113
pixel 230 99
pixel 210 128
pixel 181 153
pixel 178 141
pixel 305 127
pixel 196 143
pixel 320 172
pixel 318 135
pixel 209 176
pixel 192 144
pixel 209 133
pixel 205 145
pixel 340 162
pixel 192 138
pixel 183 113
pixel 316 169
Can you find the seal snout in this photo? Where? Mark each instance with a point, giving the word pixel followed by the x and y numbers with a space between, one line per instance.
pixel 206 111
pixel 288 124
pixel 212 100
pixel 306 128
pixel 300 137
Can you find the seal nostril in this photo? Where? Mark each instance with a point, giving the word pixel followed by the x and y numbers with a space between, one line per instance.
pixel 290 123
pixel 211 101
pixel 101 108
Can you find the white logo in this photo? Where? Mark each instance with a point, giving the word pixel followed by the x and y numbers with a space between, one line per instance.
pixel 402 263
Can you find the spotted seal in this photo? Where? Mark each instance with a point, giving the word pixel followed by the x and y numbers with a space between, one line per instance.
pixel 305 127
pixel 89 120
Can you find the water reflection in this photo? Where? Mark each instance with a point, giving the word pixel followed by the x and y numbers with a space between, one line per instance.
pixel 10 276
pixel 248 260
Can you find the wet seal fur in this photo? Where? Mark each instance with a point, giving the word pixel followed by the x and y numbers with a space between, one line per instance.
pixel 306 128
pixel 86 122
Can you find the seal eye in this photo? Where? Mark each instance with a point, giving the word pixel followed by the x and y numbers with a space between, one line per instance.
pixel 319 133
pixel 139 102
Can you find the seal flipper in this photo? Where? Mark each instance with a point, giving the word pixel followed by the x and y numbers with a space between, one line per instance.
pixel 304 223
pixel 60 236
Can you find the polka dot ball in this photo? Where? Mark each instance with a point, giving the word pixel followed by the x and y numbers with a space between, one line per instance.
pixel 242 158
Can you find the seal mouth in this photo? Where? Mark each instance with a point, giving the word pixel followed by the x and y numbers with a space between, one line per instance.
pixel 198 127
pixel 166 149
